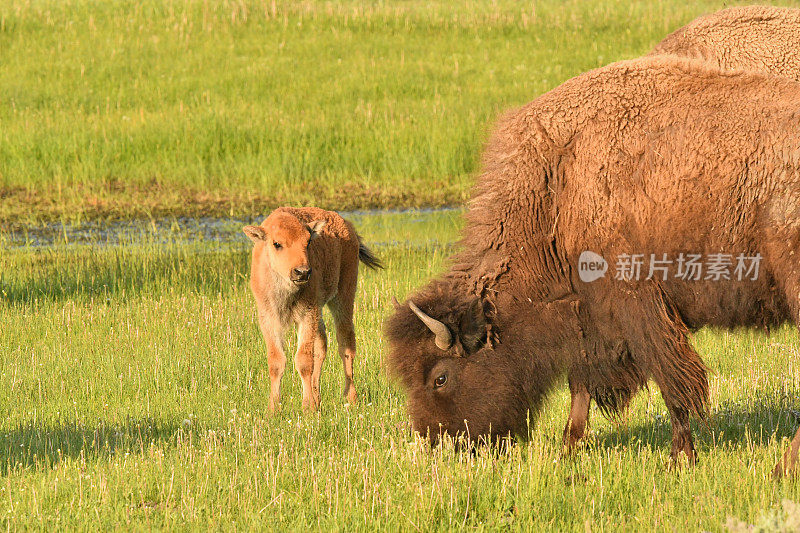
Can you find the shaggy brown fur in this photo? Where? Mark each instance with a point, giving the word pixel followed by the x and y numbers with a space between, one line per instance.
pixel 656 155
pixel 302 260
pixel 762 38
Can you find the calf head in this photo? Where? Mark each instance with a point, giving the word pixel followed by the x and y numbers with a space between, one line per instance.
pixel 455 383
pixel 284 241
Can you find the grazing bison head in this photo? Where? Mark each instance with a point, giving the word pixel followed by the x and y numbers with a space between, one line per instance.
pixel 454 381
pixel 284 245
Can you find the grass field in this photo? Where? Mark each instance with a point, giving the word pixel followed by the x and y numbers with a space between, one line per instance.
pixel 145 108
pixel 135 381
pixel 133 374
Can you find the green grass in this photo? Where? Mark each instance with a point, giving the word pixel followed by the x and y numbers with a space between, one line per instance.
pixel 146 108
pixel 134 381
pixel 133 375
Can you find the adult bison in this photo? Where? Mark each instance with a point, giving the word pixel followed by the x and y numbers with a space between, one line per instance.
pixel 760 38
pixel 660 158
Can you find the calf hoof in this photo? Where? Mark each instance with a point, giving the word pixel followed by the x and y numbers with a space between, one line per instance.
pixel 350 397
pixel 311 405
pixel 274 406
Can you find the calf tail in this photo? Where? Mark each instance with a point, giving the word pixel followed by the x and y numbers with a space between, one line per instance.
pixel 366 256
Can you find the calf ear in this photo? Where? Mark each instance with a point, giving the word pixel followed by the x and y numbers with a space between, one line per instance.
pixel 256 233
pixel 473 328
pixel 315 227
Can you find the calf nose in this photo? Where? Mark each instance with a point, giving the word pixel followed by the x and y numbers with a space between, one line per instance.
pixel 301 273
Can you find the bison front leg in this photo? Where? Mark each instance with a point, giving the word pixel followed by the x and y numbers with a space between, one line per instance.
pixel 682 442
pixel 308 343
pixel 681 376
pixel 660 340
pixel 788 464
pixel 578 419
pixel 276 360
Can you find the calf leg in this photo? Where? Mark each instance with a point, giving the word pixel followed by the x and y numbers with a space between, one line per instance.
pixel 307 339
pixel 347 351
pixel 276 360
pixel 578 419
pixel 346 337
pixel 320 352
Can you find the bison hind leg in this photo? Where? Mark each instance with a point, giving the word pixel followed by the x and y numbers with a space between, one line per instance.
pixel 658 341
pixel 681 376
pixel 788 463
pixel 578 419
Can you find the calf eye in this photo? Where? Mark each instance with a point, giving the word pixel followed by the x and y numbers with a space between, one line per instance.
pixel 277 245
pixel 440 381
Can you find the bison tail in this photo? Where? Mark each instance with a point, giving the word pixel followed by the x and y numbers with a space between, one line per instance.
pixel 366 256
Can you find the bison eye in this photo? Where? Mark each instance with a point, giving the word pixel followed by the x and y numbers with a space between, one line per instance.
pixel 440 381
pixel 277 245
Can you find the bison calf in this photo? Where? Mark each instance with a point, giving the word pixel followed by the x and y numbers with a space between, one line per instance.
pixel 302 260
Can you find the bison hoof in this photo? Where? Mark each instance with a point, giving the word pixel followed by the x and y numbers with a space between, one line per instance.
pixel 681 460
pixel 785 468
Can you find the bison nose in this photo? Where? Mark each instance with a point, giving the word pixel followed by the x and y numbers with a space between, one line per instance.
pixel 300 274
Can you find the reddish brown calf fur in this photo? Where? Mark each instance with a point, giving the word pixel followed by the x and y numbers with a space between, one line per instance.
pixel 303 259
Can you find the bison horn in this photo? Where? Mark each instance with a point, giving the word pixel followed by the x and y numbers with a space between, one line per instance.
pixel 395 303
pixel 443 337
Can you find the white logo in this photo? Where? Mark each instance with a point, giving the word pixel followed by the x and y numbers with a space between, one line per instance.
pixel 591 266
